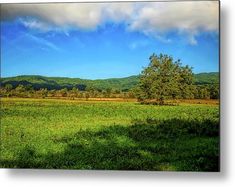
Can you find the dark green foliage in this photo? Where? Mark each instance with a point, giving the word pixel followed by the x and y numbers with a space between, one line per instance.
pixel 8 87
pixel 164 79
pixel 207 78
pixel 38 86
pixel 207 91
pixel 57 83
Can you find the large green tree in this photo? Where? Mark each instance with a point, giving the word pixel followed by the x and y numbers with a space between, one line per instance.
pixel 164 79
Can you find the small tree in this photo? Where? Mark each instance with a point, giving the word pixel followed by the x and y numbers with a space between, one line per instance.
pixel 20 88
pixel 20 91
pixel 73 93
pixel 8 87
pixel 108 92
pixel 87 95
pixel 42 92
pixel 63 92
pixel 214 92
pixel 165 79
pixel 51 93
pixel 204 93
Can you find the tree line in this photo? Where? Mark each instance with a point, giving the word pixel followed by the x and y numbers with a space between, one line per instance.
pixel 199 92
pixel 163 79
pixel 28 91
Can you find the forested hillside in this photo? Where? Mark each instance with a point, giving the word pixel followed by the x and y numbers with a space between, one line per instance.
pixel 123 84
pixel 207 78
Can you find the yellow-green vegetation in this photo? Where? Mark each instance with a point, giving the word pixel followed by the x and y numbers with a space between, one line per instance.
pixel 50 133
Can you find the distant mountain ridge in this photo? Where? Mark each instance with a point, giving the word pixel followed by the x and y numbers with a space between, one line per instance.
pixel 207 78
pixel 123 84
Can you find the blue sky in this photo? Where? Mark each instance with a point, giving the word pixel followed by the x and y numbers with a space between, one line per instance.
pixel 96 45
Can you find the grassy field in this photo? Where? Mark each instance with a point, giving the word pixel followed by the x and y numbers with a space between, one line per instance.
pixel 70 134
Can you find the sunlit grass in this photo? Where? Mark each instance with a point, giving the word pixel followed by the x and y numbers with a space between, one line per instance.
pixel 71 134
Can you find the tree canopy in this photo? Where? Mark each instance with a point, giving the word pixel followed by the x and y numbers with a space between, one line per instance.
pixel 164 79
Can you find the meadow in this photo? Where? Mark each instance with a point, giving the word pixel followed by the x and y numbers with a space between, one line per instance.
pixel 113 135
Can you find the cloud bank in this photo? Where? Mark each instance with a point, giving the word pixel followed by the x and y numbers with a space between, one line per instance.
pixel 155 19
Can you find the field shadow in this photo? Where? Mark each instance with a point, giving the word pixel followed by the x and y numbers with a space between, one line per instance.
pixel 151 145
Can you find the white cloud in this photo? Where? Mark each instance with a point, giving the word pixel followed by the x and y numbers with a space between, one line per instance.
pixel 84 16
pixel 180 16
pixel 118 12
pixel 153 18
pixel 186 18
pixel 35 24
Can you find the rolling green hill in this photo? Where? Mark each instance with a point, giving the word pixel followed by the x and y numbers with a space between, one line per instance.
pixel 207 78
pixel 63 82
pixel 126 83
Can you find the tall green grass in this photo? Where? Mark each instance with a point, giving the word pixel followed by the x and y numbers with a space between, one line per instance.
pixel 41 133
